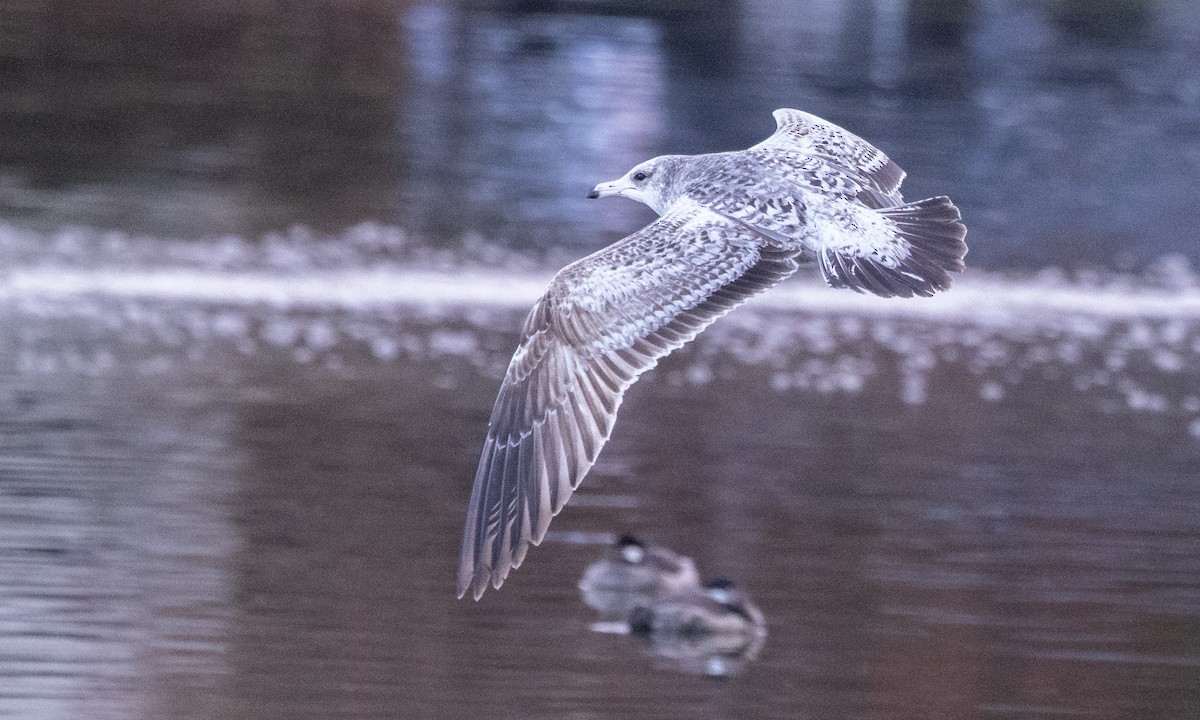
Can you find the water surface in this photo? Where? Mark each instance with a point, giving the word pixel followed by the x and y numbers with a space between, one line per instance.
pixel 250 506
pixel 263 268
pixel 1066 131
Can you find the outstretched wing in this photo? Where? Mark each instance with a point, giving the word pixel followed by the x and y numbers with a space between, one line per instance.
pixel 604 321
pixel 802 137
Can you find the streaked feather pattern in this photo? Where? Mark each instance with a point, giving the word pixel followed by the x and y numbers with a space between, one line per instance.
pixel 733 224
pixel 804 135
pixel 604 321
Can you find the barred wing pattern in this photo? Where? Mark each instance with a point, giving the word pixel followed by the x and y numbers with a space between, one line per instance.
pixel 812 138
pixel 604 321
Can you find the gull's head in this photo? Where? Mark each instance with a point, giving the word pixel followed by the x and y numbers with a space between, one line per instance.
pixel 651 183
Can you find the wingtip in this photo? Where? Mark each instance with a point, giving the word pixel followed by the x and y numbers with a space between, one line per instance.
pixel 464 584
pixel 782 115
pixel 788 116
pixel 475 582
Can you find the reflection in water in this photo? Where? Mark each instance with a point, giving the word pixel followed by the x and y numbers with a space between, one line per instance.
pixel 655 593
pixel 247 503
pixel 711 630
pixel 197 120
pixel 114 548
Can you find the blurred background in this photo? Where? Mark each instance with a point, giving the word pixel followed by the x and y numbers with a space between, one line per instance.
pixel 262 266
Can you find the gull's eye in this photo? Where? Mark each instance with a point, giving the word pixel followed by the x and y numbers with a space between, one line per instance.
pixel 639 176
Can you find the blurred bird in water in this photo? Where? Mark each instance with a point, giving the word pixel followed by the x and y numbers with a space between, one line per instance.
pixel 719 610
pixel 731 225
pixel 713 630
pixel 632 574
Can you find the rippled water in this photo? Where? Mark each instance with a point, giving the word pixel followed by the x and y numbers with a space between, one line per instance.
pixel 235 456
pixel 237 490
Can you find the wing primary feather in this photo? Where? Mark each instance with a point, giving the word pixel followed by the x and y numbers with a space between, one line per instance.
pixel 545 477
pixel 560 484
pixel 531 407
pixel 527 482
pixel 522 546
pixel 474 543
pixel 516 408
pixel 467 565
pixel 510 509
pixel 496 536
pixel 484 481
pixel 565 487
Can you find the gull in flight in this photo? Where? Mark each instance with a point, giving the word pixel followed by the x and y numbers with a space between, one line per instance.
pixel 731 225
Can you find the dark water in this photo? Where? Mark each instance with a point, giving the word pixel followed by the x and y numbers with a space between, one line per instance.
pixel 974 507
pixel 1067 130
pixel 263 269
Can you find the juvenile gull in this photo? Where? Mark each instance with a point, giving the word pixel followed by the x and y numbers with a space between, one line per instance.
pixel 731 225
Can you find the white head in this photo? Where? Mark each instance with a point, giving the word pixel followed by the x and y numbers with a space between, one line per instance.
pixel 632 550
pixel 652 183
pixel 723 591
pixel 633 554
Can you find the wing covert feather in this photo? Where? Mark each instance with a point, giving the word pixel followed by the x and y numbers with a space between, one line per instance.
pixel 809 135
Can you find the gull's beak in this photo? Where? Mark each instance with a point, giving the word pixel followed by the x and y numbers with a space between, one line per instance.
pixel 606 189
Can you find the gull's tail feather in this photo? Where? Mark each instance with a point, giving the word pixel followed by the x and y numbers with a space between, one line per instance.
pixel 925 246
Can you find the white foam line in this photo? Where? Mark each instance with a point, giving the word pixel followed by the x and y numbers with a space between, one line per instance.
pixel 1007 300
pixel 972 298
pixel 355 289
